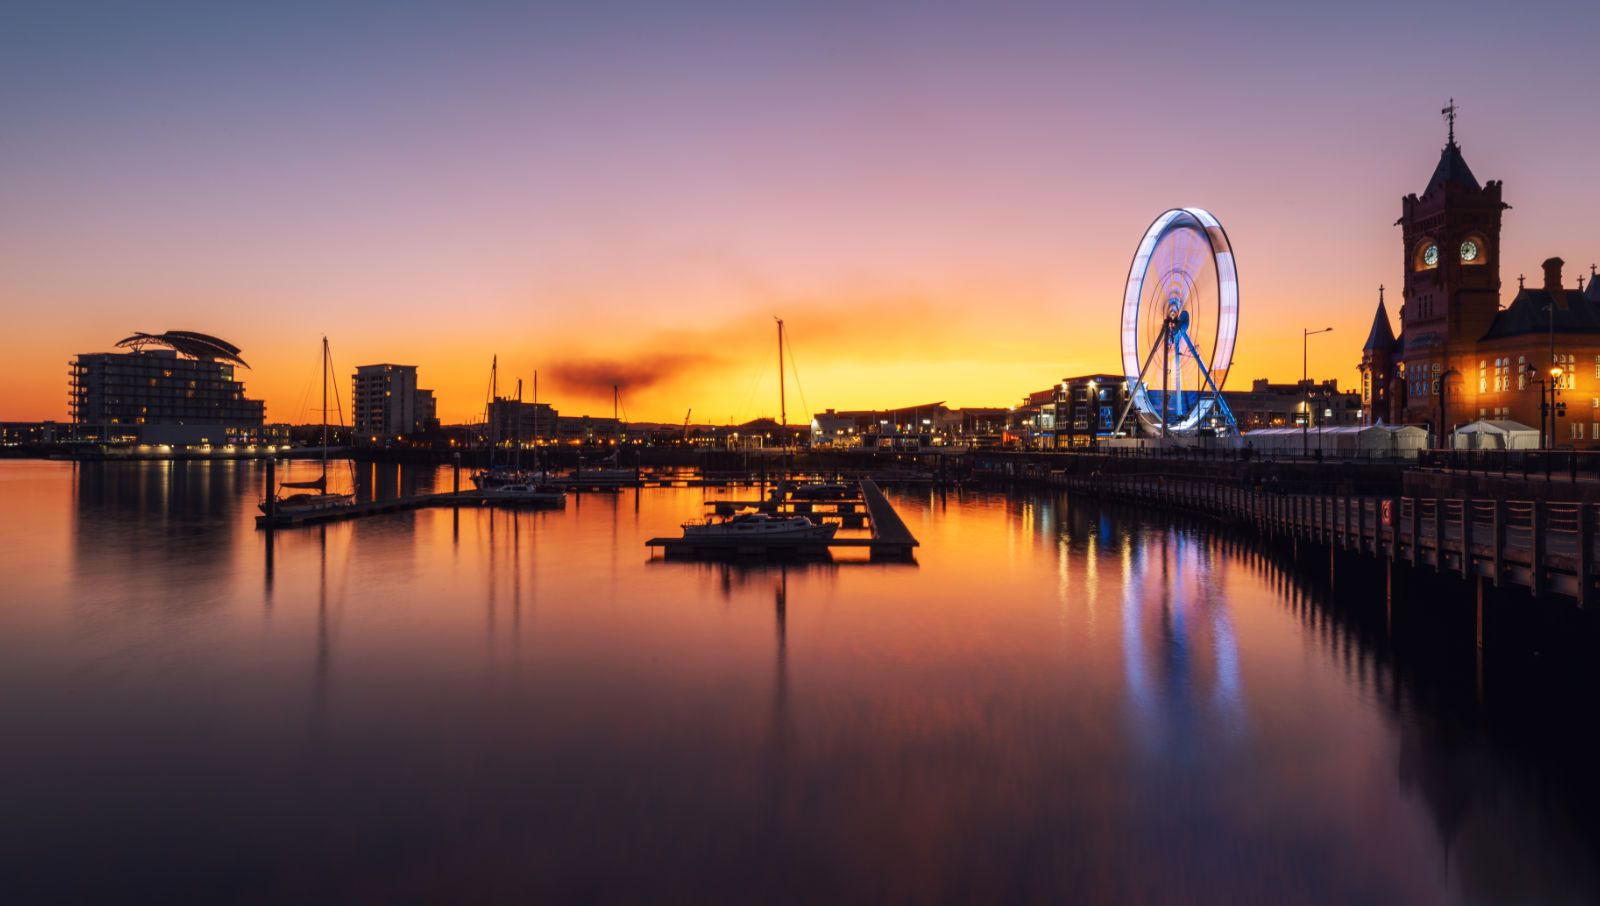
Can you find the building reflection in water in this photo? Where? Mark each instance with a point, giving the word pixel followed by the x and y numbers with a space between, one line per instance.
pixel 1180 656
pixel 1498 762
pixel 1059 695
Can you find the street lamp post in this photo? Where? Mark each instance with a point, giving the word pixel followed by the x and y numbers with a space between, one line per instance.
pixel 1555 388
pixel 1305 388
pixel 1444 391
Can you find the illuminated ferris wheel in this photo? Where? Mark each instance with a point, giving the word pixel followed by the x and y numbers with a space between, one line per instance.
pixel 1180 314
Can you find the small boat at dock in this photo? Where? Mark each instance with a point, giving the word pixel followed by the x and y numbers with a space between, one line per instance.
pixel 759 527
pixel 823 490
pixel 315 499
pixel 525 493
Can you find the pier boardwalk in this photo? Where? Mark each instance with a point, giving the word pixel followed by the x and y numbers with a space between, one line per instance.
pixel 389 505
pixel 890 539
pixel 1544 546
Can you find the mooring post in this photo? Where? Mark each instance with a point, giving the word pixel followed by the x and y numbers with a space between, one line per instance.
pixel 1499 528
pixel 1361 526
pixel 1348 502
pixel 1391 521
pixel 1585 551
pixel 1466 537
pixel 1536 568
pixel 1481 591
pixel 1388 594
pixel 1438 534
pixel 271 493
pixel 1416 529
pixel 455 474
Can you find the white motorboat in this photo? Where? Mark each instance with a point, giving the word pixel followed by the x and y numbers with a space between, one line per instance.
pixel 528 493
pixel 760 526
pixel 501 476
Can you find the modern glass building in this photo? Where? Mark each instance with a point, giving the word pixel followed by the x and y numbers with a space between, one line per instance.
pixel 175 388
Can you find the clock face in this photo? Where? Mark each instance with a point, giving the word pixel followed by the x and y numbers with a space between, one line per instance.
pixel 1430 255
pixel 1469 251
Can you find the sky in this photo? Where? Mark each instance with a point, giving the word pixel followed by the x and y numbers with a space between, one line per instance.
pixel 941 200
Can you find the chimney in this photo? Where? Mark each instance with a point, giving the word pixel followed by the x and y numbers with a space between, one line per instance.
pixel 1552 281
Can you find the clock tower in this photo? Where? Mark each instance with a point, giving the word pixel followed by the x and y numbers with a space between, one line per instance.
pixel 1450 239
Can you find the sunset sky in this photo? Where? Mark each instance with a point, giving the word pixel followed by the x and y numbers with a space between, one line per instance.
pixel 941 200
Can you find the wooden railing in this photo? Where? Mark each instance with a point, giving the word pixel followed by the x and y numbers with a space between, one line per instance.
pixel 1548 547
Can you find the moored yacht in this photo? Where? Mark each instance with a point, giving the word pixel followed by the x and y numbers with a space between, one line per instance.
pixel 760 526
pixel 316 498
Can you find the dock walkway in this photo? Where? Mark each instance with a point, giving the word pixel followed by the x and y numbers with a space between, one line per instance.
pixel 1547 547
pixel 890 539
pixel 389 505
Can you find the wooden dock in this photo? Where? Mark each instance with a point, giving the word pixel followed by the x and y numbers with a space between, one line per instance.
pixel 890 539
pixel 1546 547
pixel 390 505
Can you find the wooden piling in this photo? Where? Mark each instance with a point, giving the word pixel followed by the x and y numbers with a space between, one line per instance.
pixel 1416 530
pixel 1481 591
pixel 270 495
pixel 1497 569
pixel 1536 561
pixel 1438 534
pixel 1585 551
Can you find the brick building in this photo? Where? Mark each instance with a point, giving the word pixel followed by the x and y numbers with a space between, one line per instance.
pixel 1459 355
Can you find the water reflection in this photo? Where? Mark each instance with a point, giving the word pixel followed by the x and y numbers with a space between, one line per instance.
pixel 1059 701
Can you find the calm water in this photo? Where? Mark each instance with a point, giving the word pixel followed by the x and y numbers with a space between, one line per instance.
pixel 1057 703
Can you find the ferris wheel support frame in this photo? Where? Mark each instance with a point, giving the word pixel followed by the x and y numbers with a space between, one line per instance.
pixel 1172 334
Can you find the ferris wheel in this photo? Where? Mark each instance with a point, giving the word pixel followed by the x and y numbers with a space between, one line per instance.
pixel 1180 315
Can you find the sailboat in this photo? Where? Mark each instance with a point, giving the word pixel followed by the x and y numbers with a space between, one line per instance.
pixel 517 485
pixel 767 523
pixel 314 497
pixel 495 476
pixel 607 472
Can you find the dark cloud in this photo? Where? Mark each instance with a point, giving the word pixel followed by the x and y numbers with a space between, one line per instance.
pixel 594 375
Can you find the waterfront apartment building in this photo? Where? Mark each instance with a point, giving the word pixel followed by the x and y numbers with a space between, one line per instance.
pixel 427 411
pixel 1080 410
pixel 587 429
pixel 386 403
pixel 908 427
pixel 176 388
pixel 514 421
pixel 1292 405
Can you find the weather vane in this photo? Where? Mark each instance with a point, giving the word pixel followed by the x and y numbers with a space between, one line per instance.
pixel 1449 113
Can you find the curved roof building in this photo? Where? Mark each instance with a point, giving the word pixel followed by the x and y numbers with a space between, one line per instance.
pixel 187 342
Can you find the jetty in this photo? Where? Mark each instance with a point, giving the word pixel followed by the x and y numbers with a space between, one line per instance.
pixel 888 540
pixel 1547 547
pixel 279 519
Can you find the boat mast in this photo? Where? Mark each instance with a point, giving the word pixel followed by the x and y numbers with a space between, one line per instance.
pixel 783 405
pixel 325 358
pixel 516 433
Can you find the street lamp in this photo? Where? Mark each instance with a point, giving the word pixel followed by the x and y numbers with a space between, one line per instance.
pixel 1555 386
pixel 1444 392
pixel 1305 387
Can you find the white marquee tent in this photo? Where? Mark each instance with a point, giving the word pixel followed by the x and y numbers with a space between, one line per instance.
pixel 1341 441
pixel 1495 434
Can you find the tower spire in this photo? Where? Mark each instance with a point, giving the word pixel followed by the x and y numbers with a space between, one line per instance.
pixel 1449 113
